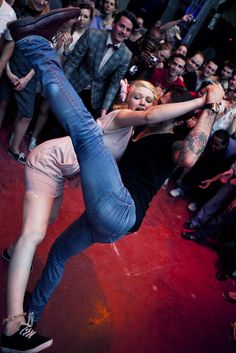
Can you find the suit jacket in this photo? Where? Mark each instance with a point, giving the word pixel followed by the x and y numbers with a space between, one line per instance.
pixel 82 68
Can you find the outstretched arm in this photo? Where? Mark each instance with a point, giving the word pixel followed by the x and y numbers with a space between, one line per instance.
pixel 196 141
pixel 186 18
pixel 156 114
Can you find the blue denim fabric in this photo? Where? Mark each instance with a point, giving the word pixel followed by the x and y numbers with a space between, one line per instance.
pixel 110 210
pixel 213 205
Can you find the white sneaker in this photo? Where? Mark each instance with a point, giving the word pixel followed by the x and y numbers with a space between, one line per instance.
pixel 176 192
pixel 192 207
pixel 33 143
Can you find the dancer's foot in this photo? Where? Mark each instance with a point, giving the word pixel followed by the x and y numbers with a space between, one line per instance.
pixel 25 340
pixel 45 26
pixel 19 336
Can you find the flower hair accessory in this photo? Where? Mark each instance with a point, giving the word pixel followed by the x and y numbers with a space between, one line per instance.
pixel 124 89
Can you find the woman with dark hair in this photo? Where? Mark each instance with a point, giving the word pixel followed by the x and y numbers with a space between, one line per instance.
pixel 73 29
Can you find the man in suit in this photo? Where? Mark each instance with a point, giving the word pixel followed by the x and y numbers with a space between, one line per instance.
pixel 99 61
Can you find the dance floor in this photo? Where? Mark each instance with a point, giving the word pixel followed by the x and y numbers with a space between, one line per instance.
pixel 150 292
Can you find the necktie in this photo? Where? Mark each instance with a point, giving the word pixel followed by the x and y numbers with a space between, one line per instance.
pixel 113 46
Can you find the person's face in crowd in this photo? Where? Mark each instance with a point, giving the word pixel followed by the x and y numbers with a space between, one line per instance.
pixel 217 144
pixel 170 35
pixel 140 21
pixel 121 30
pixel 38 5
pixel 140 98
pixel 151 41
pixel 163 55
pixel 232 83
pixel 84 19
pixel 182 49
pixel 176 67
pixel 109 6
pixel 194 63
pixel 209 69
pixel 226 72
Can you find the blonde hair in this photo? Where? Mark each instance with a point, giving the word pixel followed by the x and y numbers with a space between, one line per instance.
pixel 134 85
pixel 142 83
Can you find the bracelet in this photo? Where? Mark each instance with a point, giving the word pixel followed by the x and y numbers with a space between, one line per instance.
pixel 66 53
pixel 214 107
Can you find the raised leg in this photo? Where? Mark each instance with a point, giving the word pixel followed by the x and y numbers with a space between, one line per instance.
pixel 100 177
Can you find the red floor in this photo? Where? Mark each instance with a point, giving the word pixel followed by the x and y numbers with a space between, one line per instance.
pixel 151 292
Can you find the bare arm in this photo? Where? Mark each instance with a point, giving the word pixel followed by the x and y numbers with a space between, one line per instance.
pixel 186 18
pixel 206 183
pixel 7 51
pixel 196 141
pixel 155 114
pixel 170 24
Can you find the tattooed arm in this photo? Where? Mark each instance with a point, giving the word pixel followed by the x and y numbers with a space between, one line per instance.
pixel 187 153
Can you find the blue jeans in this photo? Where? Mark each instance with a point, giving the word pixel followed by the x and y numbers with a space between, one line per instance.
pixel 109 208
pixel 213 205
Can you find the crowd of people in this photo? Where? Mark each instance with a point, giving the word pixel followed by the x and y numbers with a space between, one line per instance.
pixel 137 108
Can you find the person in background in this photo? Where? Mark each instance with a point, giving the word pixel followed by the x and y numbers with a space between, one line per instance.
pixel 171 31
pixel 224 76
pixel 99 61
pixel 72 31
pixel 230 93
pixel 136 36
pixel 182 49
pixel 217 157
pixel 204 75
pixel 24 81
pixel 150 42
pixel 104 21
pixel 170 76
pixel 189 75
pixel 7 14
pixel 142 66
pixel 137 33
pixel 223 196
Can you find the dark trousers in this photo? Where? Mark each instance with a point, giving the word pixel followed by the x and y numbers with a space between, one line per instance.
pixel 85 95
